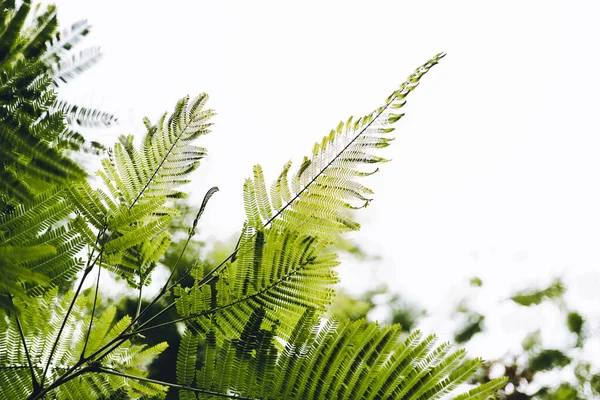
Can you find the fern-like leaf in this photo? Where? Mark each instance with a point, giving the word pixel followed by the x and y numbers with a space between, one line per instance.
pixel 314 199
pixel 332 359
pixel 137 206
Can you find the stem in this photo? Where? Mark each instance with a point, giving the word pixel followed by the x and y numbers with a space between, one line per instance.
pixel 123 336
pixel 87 336
pixel 57 383
pixel 174 385
pixel 86 272
pixel 139 302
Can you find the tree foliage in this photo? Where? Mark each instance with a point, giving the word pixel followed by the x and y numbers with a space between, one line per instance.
pixel 254 324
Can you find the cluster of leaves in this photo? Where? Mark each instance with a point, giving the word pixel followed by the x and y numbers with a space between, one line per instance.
pixel 37 130
pixel 522 370
pixel 253 323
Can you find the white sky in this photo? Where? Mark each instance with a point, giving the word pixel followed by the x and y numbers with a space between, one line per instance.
pixel 495 170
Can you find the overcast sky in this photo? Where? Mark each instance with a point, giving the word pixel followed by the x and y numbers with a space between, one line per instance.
pixel 495 171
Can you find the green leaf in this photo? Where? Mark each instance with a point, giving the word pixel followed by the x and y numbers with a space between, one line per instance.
pixel 549 359
pixel 533 297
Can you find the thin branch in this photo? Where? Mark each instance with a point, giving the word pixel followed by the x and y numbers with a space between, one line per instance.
pixel 87 336
pixel 57 383
pixel 173 385
pixel 116 342
pixel 36 385
pixel 166 287
pixel 141 283
pixel 86 272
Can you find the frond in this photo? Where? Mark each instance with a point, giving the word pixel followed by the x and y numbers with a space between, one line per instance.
pixel 313 200
pixel 40 319
pixel 13 272
pixel 186 358
pixel 166 157
pixel 64 41
pixel 40 245
pixel 34 129
pixel 36 34
pixel 70 140
pixel 330 359
pixel 282 273
pixel 68 69
pixel 84 117
pixel 141 185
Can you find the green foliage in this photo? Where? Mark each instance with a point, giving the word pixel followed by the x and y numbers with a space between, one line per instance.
pixel 344 360
pixel 39 237
pixel 27 341
pixel 533 297
pixel 137 209
pixel 476 282
pixel 575 322
pixel 281 264
pixel 30 163
pixel 527 371
pixel 40 246
pixel 253 322
pixel 352 308
pixel 35 127
pixel 548 359
pixel 281 269
pixel 473 325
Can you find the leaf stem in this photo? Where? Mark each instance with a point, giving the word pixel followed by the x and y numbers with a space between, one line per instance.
pixel 86 272
pixel 87 336
pixel 173 385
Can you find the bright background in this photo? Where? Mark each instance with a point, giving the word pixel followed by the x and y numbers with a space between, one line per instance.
pixel 495 171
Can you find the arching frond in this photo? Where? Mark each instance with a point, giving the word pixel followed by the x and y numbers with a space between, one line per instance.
pixel 332 359
pixel 314 199
pixel 38 326
pixel 68 69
